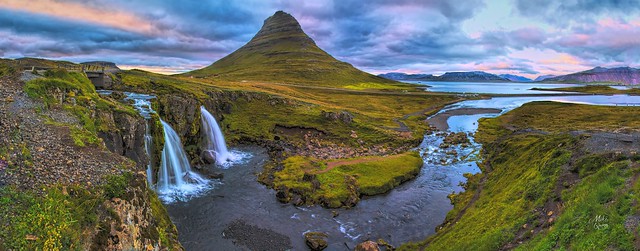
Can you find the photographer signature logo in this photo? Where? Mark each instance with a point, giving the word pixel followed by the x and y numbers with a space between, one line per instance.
pixel 600 222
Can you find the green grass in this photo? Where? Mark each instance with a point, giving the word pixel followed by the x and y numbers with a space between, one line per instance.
pixel 342 185
pixel 522 173
pixel 374 86
pixel 562 117
pixel 595 213
pixel 594 89
pixel 74 217
pixel 6 69
pixel 256 109
pixel 59 88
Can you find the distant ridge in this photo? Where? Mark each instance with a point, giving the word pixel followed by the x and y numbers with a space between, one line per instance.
pixel 515 78
pixel 620 75
pixel 282 52
pixel 471 76
pixel 543 77
pixel 404 76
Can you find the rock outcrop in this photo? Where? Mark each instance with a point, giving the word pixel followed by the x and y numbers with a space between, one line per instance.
pixel 367 246
pixel 316 241
pixel 52 148
pixel 126 136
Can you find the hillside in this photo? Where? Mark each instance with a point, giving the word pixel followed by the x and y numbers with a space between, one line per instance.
pixel 70 168
pixel 554 177
pixel 621 75
pixel 282 52
pixel 471 76
pixel 515 78
pixel 404 76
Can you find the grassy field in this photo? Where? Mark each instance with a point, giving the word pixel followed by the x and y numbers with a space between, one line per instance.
pixel 594 89
pixel 542 191
pixel 340 183
pixel 379 115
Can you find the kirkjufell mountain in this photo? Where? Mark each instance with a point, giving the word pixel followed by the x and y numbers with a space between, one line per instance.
pixel 282 52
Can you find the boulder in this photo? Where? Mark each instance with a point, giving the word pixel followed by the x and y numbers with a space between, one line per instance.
pixel 209 157
pixel 344 116
pixel 316 240
pixel 215 175
pixel 367 246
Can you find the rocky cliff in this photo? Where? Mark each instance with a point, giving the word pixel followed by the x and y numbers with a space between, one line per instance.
pixel 61 185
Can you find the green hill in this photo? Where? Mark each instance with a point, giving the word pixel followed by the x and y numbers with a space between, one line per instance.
pixel 282 52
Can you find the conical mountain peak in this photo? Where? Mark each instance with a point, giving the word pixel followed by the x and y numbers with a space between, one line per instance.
pixel 281 22
pixel 280 26
pixel 282 52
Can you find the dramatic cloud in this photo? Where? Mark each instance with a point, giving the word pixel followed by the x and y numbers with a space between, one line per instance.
pixel 432 36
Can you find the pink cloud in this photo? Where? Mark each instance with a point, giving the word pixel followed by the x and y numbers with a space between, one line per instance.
pixel 79 12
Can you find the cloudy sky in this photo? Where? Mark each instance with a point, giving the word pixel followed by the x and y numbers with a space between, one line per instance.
pixel 526 37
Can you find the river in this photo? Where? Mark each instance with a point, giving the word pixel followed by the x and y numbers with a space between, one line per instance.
pixel 409 212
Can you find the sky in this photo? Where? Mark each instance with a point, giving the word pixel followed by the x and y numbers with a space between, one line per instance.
pixel 523 37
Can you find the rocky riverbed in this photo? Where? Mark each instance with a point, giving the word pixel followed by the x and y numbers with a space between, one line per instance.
pixel 410 212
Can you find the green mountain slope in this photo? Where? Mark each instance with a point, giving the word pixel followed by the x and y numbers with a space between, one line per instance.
pixel 282 52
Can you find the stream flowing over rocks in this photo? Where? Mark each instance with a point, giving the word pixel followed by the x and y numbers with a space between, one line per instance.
pixel 410 212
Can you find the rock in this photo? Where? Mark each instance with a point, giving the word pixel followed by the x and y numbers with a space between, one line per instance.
pixel 216 175
pixel 297 200
pixel 209 157
pixel 343 116
pixel 334 213
pixel 316 240
pixel 117 95
pixel 367 246
pixel 282 196
pixel 382 242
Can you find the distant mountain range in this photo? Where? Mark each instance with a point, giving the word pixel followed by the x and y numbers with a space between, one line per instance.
pixel 620 75
pixel 543 77
pixel 515 78
pixel 472 76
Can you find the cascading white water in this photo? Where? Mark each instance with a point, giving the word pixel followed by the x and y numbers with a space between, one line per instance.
pixel 215 140
pixel 175 175
pixel 142 103
pixel 175 180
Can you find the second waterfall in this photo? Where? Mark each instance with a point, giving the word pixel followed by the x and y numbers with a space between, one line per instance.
pixel 216 147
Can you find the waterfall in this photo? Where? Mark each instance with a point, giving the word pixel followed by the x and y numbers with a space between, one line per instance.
pixel 175 173
pixel 214 138
pixel 148 142
pixel 175 180
pixel 142 103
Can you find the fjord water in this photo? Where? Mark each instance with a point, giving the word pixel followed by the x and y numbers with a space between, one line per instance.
pixel 215 140
pixel 410 212
pixel 492 87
